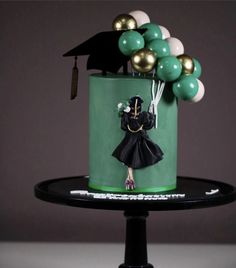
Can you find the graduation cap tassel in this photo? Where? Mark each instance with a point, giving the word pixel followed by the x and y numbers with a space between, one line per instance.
pixel 74 82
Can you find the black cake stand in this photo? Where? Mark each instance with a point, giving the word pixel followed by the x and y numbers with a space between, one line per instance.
pixel 190 193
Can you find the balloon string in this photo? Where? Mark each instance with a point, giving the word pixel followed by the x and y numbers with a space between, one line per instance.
pixel 156 91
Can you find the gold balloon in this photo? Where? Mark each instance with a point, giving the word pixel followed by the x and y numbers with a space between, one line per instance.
pixel 124 22
pixel 143 60
pixel 187 64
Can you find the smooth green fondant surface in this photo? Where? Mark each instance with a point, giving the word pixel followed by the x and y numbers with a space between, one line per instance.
pixel 106 172
pixel 139 190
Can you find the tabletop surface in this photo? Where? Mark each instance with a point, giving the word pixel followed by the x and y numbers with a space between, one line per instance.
pixel 71 255
pixel 190 193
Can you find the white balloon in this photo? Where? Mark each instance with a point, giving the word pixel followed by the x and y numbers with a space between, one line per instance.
pixel 200 93
pixel 165 32
pixel 176 46
pixel 140 17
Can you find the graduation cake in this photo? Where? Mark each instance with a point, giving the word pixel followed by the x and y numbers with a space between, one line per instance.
pixel 133 103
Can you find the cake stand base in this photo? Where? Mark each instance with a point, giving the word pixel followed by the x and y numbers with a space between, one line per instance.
pixel 131 266
pixel 136 240
pixel 191 193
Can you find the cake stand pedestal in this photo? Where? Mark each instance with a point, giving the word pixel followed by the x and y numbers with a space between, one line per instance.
pixel 190 193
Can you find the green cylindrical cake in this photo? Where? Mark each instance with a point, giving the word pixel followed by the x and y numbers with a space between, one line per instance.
pixel 107 173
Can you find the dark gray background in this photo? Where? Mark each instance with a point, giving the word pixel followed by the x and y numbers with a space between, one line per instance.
pixel 45 135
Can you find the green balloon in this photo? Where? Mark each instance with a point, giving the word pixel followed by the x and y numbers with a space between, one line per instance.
pixel 197 68
pixel 169 68
pixel 130 41
pixel 186 87
pixel 159 47
pixel 153 32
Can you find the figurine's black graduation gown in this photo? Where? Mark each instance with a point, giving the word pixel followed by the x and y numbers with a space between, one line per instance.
pixel 137 150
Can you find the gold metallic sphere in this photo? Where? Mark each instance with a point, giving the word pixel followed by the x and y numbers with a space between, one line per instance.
pixel 187 64
pixel 143 60
pixel 124 22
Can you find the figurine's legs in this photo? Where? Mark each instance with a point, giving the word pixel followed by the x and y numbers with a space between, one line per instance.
pixel 130 174
pixel 129 183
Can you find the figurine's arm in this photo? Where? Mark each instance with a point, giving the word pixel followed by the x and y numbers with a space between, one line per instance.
pixel 124 121
pixel 149 120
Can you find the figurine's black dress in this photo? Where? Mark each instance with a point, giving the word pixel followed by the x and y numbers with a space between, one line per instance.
pixel 137 150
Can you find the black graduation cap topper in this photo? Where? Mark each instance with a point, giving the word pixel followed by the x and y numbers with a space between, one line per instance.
pixel 104 55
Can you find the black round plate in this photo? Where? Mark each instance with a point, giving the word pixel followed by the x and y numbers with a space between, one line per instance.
pixel 190 193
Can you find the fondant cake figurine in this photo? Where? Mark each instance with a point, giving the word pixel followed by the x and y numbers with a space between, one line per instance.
pixel 137 150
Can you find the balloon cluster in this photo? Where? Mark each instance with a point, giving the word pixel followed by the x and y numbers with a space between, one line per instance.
pixel 155 50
